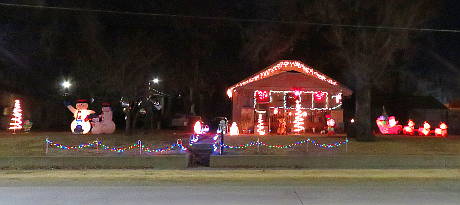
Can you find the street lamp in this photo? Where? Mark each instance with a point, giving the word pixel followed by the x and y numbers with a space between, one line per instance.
pixel 156 80
pixel 66 84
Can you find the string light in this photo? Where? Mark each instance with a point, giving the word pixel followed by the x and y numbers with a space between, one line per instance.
pixel 288 146
pixel 93 144
pixel 282 66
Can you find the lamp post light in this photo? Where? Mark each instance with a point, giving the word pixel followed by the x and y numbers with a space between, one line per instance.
pixel 156 80
pixel 66 85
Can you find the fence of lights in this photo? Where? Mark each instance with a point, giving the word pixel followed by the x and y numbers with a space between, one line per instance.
pixel 283 66
pixel 136 146
pixel 288 146
pixel 139 146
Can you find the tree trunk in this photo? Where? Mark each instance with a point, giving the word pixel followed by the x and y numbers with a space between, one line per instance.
pixel 128 121
pixel 363 112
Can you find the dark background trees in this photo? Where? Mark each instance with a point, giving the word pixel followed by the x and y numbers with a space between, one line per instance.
pixel 110 56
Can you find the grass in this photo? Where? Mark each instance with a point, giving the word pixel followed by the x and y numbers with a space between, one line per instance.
pixel 32 144
pixel 195 176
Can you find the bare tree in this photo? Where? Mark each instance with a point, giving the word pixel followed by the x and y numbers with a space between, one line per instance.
pixel 368 53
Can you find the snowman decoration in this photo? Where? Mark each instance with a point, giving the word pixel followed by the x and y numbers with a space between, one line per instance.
pixel 81 124
pixel 107 124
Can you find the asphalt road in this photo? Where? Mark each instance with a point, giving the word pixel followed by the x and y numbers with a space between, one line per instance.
pixel 317 192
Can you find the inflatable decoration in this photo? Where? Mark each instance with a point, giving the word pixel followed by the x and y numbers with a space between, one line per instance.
pixel 81 124
pixel 234 129
pixel 425 130
pixel 388 127
pixel 409 129
pixel 108 126
pixel 441 131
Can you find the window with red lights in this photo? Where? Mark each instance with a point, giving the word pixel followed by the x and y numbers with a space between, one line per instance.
pixel 262 96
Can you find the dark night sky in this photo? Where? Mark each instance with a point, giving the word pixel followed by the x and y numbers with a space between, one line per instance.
pixel 437 53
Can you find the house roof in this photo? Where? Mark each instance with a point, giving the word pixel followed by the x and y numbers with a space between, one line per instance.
pixel 415 102
pixel 286 66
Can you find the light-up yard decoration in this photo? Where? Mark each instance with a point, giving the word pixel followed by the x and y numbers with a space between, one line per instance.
pixel 260 124
pixel 16 119
pixel 81 124
pixel 441 131
pixel 389 126
pixel 234 129
pixel 425 130
pixel 330 125
pixel 410 128
pixel 103 124
pixel 197 128
pixel 298 119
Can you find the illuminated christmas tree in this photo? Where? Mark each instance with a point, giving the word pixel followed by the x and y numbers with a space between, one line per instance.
pixel 16 120
pixel 260 125
pixel 298 120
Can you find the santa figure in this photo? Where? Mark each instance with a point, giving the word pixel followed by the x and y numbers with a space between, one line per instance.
pixel 81 124
pixel 107 125
pixel 330 125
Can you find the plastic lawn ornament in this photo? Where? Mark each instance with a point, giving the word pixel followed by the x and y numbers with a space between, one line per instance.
pixel 330 125
pixel 222 127
pixel 441 131
pixel 425 130
pixel 27 126
pixel 409 129
pixel 197 128
pixel 234 129
pixel 81 124
pixel 16 120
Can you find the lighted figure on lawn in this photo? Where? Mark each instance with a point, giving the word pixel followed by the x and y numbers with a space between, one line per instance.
pixel 260 125
pixel 388 127
pixel 410 128
pixel 330 125
pixel 198 128
pixel 441 131
pixel 16 120
pixel 108 126
pixel 298 119
pixel 81 124
pixel 425 130
pixel 234 129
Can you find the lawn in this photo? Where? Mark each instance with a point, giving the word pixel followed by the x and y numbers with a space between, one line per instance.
pixel 32 144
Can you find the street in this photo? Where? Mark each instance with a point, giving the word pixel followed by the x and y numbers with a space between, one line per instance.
pixel 350 191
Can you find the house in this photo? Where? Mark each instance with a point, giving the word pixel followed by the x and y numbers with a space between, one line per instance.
pixel 276 93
